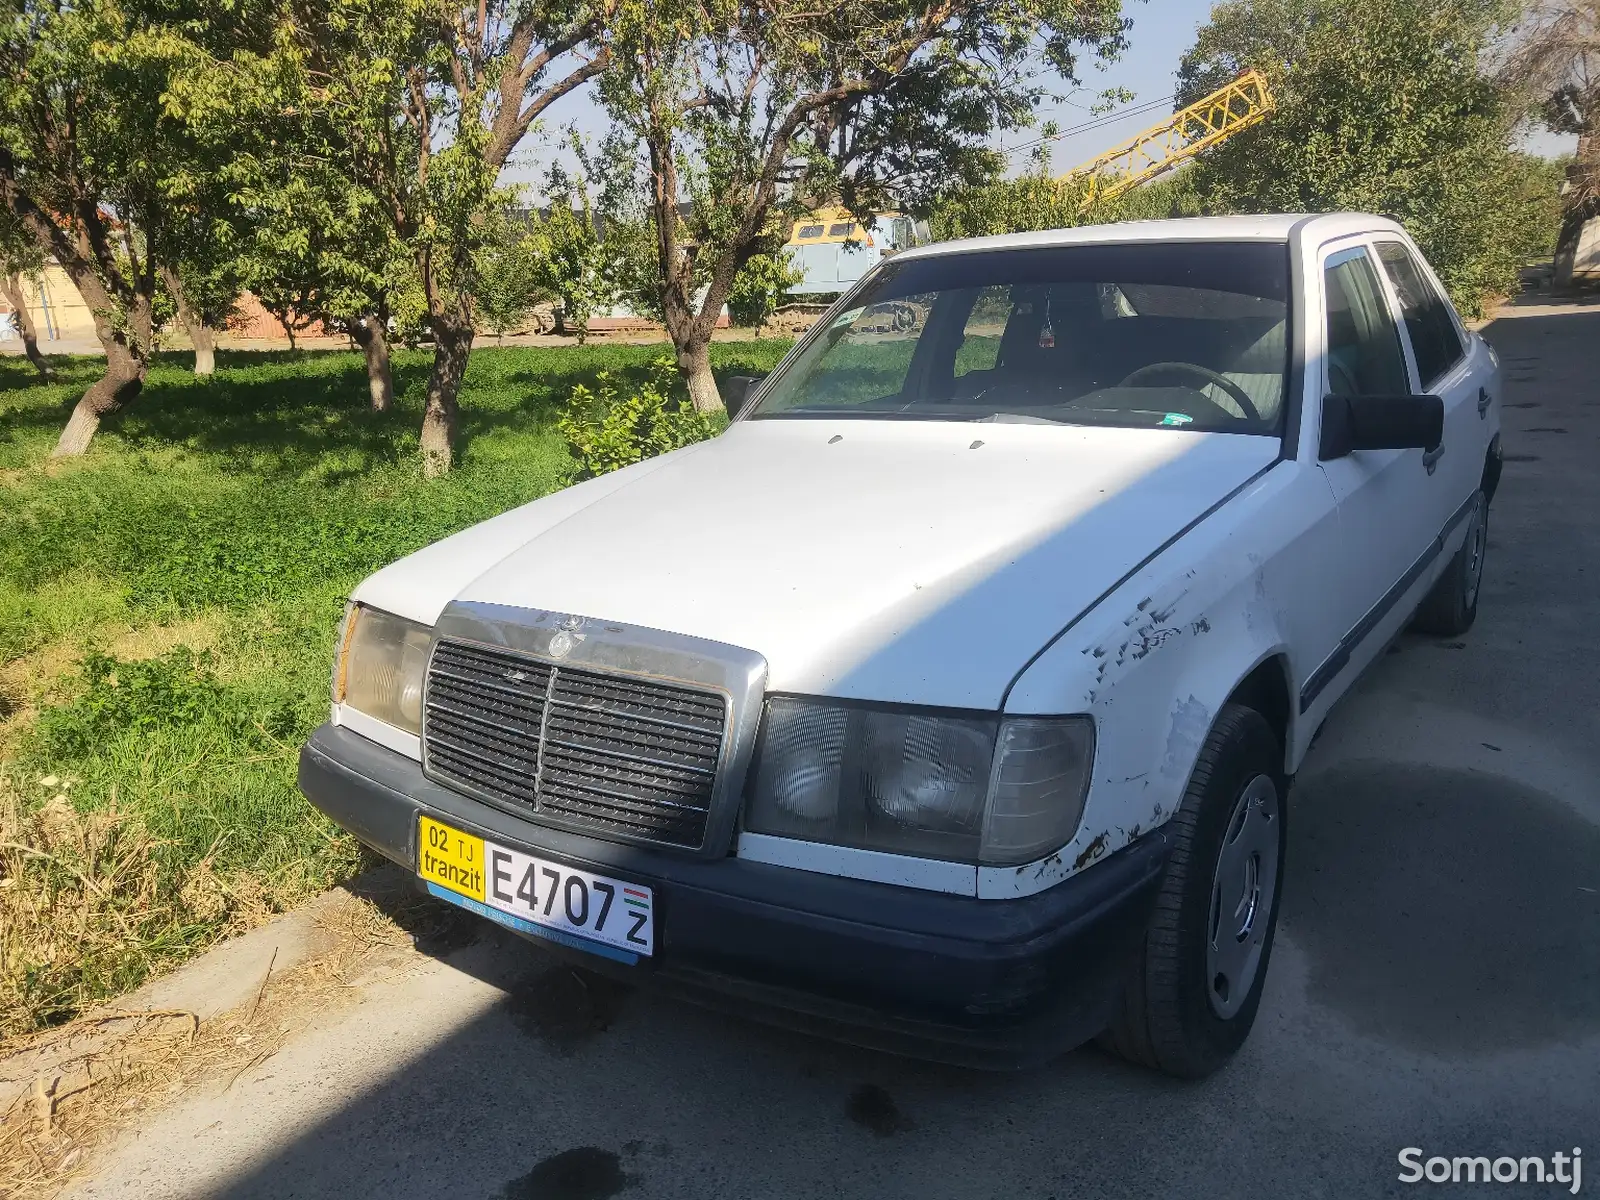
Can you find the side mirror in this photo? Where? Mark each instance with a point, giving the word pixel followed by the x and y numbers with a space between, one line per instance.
pixel 736 392
pixel 1396 422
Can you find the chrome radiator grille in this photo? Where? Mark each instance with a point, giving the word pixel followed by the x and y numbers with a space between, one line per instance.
pixel 609 754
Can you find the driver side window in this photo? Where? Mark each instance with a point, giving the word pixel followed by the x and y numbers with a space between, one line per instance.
pixel 1363 345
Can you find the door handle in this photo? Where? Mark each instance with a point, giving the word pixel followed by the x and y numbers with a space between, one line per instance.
pixel 1430 458
pixel 1484 400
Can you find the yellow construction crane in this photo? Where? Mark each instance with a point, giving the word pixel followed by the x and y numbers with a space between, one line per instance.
pixel 1243 103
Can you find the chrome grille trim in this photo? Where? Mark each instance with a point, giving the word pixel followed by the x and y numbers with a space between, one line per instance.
pixel 631 734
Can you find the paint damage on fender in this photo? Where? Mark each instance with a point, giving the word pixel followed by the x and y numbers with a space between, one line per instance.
pixel 1190 722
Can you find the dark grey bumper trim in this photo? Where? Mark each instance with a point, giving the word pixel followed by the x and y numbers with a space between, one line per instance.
pixel 981 982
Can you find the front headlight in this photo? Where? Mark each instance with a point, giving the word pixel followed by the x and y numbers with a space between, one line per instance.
pixel 981 789
pixel 382 660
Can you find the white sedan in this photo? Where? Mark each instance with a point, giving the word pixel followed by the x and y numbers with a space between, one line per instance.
pixel 948 702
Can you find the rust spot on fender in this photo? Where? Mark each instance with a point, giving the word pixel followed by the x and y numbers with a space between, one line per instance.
pixel 1092 851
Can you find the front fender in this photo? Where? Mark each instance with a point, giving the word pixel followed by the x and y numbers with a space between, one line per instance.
pixel 1154 663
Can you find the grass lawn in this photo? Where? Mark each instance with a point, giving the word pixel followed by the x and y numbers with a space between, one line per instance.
pixel 167 612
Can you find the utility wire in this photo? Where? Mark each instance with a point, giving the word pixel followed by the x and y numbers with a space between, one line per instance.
pixel 1111 118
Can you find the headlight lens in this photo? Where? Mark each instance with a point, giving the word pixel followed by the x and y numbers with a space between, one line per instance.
pixel 382 660
pixel 920 782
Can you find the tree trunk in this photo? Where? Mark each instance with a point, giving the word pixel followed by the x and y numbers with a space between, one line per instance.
pixel 451 347
pixel 691 342
pixel 694 362
pixel 368 333
pixel 112 392
pixel 30 336
pixel 1582 206
pixel 203 337
pixel 127 350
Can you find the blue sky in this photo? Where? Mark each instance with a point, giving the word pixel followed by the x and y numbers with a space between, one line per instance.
pixel 1162 31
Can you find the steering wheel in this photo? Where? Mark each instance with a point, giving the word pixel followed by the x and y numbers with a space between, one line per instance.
pixel 1235 392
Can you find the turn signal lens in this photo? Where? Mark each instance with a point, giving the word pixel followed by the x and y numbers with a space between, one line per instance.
pixel 1041 779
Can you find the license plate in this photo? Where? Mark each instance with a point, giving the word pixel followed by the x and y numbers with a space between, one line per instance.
pixel 605 916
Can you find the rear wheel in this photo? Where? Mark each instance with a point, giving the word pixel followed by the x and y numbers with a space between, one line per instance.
pixel 1452 606
pixel 1191 995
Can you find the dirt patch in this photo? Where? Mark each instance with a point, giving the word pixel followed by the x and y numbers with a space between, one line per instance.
pixel 45 676
pixel 65 1092
pixel 151 641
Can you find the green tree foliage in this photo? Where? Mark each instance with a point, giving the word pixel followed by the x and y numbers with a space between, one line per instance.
pixel 1265 35
pixel 425 101
pixel 571 264
pixel 761 285
pixel 755 112
pixel 507 271
pixel 1382 107
pixel 620 422
pixel 321 242
pixel 622 212
pixel 114 115
pixel 1533 199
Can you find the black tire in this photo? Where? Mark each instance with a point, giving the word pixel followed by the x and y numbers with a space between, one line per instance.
pixel 1451 606
pixel 1167 1019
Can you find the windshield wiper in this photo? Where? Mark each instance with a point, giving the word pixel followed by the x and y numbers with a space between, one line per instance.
pixel 1008 418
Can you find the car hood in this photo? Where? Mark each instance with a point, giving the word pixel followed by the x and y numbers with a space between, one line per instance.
pixel 908 561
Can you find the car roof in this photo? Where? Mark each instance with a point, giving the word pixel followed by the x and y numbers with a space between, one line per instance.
pixel 1271 227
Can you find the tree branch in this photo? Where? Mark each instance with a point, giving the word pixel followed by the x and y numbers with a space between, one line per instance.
pixel 510 125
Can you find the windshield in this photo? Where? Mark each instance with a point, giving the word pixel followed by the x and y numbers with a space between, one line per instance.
pixel 1188 335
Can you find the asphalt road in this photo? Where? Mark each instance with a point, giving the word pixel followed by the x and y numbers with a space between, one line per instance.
pixel 1436 982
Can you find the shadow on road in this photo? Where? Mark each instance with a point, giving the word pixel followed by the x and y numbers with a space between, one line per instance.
pixel 1450 912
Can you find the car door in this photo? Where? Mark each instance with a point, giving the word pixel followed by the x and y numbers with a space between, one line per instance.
pixel 1448 363
pixel 1386 498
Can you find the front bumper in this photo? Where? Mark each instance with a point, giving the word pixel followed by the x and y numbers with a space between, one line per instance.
pixel 991 983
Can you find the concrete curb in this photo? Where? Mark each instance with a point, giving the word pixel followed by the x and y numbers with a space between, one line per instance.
pixel 225 977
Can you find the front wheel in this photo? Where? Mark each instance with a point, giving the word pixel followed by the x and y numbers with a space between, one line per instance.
pixel 1191 995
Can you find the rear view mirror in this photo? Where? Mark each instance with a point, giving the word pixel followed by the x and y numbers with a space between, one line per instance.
pixel 1396 422
pixel 736 392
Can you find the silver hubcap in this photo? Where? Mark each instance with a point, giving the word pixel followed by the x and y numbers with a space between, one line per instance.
pixel 1477 537
pixel 1242 891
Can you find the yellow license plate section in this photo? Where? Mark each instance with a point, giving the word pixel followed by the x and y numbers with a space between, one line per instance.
pixel 450 858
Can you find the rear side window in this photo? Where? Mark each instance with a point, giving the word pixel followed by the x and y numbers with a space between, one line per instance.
pixel 1434 339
